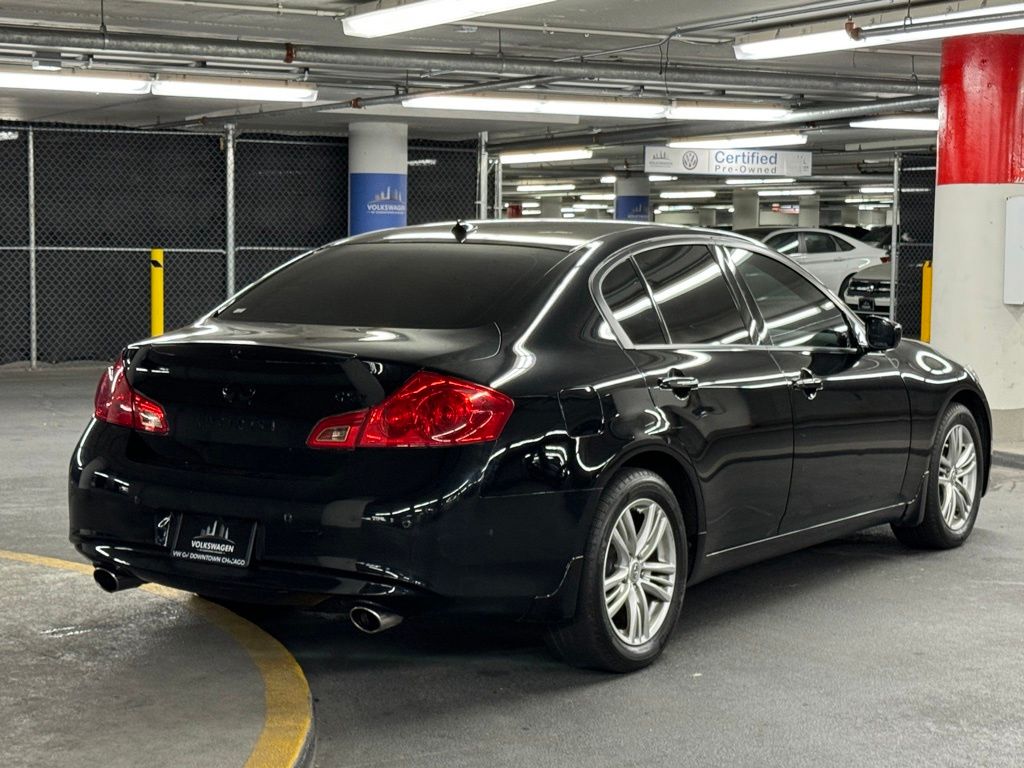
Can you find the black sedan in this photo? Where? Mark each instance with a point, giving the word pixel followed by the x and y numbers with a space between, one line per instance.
pixel 563 422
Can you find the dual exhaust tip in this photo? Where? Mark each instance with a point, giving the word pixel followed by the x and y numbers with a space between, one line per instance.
pixel 370 619
pixel 114 581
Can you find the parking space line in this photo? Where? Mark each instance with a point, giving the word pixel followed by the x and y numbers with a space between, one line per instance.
pixel 287 734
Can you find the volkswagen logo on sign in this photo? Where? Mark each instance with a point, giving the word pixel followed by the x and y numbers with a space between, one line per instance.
pixel 689 159
pixel 238 394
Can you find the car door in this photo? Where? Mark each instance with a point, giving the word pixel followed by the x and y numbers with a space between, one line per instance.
pixel 718 399
pixel 851 410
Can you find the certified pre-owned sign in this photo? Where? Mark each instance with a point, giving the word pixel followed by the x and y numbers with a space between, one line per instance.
pixel 727 162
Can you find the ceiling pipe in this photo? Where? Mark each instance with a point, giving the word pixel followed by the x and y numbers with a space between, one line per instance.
pixel 618 137
pixel 328 56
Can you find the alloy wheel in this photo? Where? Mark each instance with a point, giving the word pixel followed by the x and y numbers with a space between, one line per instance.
pixel 640 571
pixel 958 477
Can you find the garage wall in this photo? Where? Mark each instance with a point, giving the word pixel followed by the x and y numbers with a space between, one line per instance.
pixel 104 197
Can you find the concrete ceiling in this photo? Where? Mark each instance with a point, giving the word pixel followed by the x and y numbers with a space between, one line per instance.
pixel 590 32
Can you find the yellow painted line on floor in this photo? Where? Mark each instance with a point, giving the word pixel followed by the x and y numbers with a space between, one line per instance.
pixel 288 723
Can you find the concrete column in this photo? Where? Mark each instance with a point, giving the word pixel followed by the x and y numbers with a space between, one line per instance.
pixel 745 209
pixel 633 198
pixel 707 217
pixel 851 214
pixel 980 165
pixel 378 166
pixel 809 211
pixel 551 207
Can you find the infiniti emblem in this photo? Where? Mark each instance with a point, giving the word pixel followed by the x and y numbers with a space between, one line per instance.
pixel 238 394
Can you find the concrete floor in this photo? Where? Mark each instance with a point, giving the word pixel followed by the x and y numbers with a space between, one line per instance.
pixel 853 653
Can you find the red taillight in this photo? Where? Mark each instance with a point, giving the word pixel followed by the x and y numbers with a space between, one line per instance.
pixel 428 410
pixel 117 403
pixel 886 259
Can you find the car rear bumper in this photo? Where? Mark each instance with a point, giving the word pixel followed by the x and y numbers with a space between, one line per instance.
pixel 439 544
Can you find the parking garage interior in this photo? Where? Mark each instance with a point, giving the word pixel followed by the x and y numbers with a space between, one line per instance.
pixel 159 156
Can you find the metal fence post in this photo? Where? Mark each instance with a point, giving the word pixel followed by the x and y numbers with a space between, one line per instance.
pixel 482 170
pixel 229 201
pixel 894 251
pixel 499 205
pixel 33 326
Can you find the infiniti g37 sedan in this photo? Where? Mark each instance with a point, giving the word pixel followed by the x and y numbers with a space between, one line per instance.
pixel 563 422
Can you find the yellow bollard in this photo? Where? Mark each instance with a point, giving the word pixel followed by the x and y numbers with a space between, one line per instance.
pixel 926 301
pixel 156 292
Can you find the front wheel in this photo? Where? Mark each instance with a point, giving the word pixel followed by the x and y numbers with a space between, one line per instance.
pixel 634 576
pixel 955 480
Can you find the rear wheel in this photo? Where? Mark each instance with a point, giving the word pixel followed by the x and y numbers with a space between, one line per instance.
pixel 634 576
pixel 954 485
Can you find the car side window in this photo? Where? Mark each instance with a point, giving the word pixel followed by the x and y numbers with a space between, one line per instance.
pixel 819 242
pixel 693 296
pixel 796 312
pixel 787 242
pixel 630 304
pixel 843 245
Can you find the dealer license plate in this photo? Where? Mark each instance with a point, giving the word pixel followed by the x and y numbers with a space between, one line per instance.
pixel 214 540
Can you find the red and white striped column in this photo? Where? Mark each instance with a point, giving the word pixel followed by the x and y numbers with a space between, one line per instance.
pixel 980 165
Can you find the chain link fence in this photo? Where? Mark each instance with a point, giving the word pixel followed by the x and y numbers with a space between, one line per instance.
pixel 102 198
pixel 913 228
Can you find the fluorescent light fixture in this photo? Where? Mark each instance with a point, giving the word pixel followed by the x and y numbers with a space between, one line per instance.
pixel 658 177
pixel 8 135
pixel 688 194
pixel 900 123
pixel 541 105
pixel 426 13
pixel 545 188
pixel 785 192
pixel 872 206
pixel 233 89
pixel 865 200
pixel 568 209
pixel 570 215
pixel 76 80
pixel 545 156
pixel 876 190
pixel 673 208
pixel 531 212
pixel 743 142
pixel 608 179
pixel 990 19
pixel 756 182
pixel 608 196
pixel 529 204
pixel 739 111
pixel 590 206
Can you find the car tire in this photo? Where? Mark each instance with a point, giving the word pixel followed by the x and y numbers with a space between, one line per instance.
pixel 630 636
pixel 955 480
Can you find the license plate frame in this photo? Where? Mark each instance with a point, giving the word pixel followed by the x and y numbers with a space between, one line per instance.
pixel 214 540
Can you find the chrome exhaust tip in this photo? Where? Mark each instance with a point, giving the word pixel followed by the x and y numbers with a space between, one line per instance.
pixel 114 581
pixel 371 619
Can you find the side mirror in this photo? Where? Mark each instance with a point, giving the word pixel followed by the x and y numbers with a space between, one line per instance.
pixel 883 333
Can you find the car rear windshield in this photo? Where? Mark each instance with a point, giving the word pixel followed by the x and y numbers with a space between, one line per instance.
pixel 400 285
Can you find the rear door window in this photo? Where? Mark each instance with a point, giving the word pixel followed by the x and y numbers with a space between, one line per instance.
pixel 819 242
pixel 693 296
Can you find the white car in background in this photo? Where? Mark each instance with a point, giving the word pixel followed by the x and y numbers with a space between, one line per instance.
pixel 831 257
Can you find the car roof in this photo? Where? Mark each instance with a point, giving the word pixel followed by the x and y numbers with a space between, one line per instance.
pixel 561 234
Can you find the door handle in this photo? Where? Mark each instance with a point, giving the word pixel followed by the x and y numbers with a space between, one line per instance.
pixel 809 383
pixel 680 385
